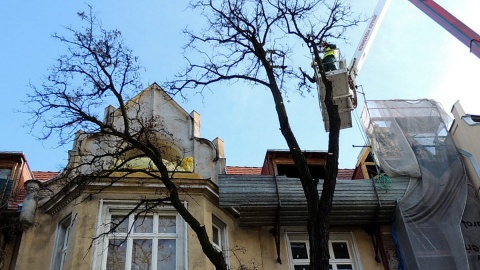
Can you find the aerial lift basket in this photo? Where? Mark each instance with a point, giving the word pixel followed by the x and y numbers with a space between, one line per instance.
pixel 343 96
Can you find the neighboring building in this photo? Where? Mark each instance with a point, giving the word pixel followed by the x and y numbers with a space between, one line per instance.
pixel 14 172
pixel 465 130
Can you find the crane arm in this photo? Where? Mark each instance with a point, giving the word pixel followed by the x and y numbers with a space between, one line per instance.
pixel 445 19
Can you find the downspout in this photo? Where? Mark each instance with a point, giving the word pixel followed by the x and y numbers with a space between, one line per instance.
pixel 376 234
pixel 476 167
pixel 276 228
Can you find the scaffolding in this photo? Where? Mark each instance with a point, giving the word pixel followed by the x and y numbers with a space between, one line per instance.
pixel 411 138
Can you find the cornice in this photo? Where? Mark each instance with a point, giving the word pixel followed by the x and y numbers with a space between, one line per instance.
pixel 129 185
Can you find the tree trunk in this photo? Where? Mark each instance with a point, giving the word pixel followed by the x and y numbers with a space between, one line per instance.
pixel 322 225
pixel 319 208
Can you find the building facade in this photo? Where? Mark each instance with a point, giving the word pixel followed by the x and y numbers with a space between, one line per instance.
pixel 256 216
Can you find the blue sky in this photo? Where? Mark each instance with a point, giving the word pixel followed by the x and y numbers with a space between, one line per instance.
pixel 411 58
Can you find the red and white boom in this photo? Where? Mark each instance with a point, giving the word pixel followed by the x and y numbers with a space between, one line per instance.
pixel 453 25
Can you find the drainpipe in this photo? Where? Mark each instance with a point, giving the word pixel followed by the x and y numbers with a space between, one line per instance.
pixel 27 215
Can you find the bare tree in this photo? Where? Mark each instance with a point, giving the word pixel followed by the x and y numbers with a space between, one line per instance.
pixel 100 69
pixel 256 42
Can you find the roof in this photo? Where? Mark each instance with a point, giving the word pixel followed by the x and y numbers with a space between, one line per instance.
pixel 243 170
pixel 44 176
pixel 12 153
pixel 263 200
pixel 343 174
pixel 20 194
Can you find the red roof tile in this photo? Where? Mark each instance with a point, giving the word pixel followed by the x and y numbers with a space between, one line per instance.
pixel 44 176
pixel 342 173
pixel 345 174
pixel 20 194
pixel 242 170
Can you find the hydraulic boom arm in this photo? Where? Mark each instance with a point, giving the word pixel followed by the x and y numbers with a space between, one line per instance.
pixel 445 19
pixel 458 29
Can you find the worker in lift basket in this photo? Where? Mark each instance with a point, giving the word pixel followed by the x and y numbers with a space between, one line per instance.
pixel 328 60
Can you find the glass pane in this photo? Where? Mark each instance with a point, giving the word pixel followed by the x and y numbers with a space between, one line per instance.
pixel 59 249
pixel 167 224
pixel 166 258
pixel 122 225
pixel 301 267
pixel 216 235
pixel 340 250
pixel 142 254
pixel 116 254
pixel 65 240
pixel 143 224
pixel 5 173
pixel 344 267
pixel 299 250
pixel 330 267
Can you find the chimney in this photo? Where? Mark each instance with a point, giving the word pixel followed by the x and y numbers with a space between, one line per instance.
pixel 196 123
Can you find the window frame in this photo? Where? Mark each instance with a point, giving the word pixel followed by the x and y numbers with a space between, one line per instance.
pixel 345 237
pixel 222 234
pixel 60 248
pixel 109 208
pixel 223 245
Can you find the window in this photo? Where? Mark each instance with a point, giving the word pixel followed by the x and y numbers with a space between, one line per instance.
pixel 153 240
pixel 219 237
pixel 341 246
pixel 61 243
pixel 5 185
pixel 219 234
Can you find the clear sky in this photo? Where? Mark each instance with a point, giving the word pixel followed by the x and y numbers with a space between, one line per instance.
pixel 411 58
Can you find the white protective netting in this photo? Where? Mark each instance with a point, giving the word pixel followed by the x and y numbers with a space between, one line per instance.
pixel 411 138
pixel 393 125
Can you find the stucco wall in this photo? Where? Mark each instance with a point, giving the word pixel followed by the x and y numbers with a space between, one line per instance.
pixel 466 139
pixel 37 241
pixel 250 246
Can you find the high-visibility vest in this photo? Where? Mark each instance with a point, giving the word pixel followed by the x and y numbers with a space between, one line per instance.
pixel 329 51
